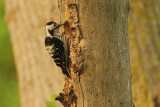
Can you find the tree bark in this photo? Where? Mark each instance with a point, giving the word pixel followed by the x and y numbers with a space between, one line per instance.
pixel 99 52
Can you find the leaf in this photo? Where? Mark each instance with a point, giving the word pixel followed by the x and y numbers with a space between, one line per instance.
pixel 50 104
pixel 53 97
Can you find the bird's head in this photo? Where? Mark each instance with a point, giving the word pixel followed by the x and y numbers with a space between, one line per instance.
pixel 52 28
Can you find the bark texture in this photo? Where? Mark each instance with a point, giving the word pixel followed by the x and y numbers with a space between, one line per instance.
pixel 38 75
pixel 106 77
pixel 100 34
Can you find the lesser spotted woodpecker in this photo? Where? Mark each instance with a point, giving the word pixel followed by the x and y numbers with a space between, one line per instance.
pixel 55 46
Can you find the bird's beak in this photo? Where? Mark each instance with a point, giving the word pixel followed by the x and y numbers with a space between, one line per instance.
pixel 57 27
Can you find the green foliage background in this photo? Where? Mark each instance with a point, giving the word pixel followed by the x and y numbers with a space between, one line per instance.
pixel 9 93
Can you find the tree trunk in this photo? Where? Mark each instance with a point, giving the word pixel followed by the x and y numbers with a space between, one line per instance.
pixel 99 53
pixel 38 75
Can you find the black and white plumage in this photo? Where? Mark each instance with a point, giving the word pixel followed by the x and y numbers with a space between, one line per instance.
pixel 55 46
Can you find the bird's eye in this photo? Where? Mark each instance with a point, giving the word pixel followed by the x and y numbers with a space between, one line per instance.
pixel 54 24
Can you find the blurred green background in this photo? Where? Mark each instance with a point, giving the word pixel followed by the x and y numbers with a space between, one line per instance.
pixel 9 94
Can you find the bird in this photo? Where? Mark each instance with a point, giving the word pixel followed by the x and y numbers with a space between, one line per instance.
pixel 54 44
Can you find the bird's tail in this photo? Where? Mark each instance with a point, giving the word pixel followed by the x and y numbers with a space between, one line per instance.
pixel 66 72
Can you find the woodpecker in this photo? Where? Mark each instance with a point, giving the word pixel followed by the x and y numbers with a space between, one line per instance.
pixel 55 46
